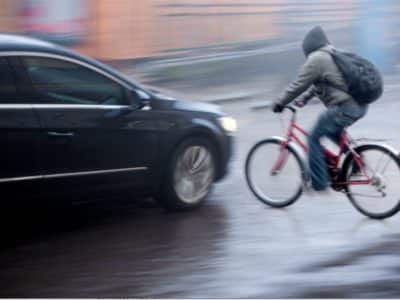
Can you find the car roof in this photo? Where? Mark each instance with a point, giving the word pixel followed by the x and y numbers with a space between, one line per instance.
pixel 20 43
pixel 13 42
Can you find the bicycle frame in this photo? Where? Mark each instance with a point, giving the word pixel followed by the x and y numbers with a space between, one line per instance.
pixel 333 159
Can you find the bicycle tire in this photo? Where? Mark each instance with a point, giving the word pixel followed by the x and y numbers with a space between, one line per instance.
pixel 250 181
pixel 347 172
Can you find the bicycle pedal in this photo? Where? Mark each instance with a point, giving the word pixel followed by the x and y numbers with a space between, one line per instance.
pixel 337 188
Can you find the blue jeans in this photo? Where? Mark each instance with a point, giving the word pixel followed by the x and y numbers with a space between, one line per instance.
pixel 330 124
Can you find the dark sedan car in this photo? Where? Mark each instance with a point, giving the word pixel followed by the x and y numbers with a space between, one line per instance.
pixel 70 124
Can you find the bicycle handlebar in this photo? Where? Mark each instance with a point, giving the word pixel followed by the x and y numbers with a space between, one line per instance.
pixel 291 108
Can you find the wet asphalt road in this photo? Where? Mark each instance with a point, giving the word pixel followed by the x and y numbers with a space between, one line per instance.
pixel 232 247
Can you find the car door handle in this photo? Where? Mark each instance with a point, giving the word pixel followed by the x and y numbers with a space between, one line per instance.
pixel 60 134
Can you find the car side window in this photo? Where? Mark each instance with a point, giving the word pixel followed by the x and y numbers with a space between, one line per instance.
pixel 8 89
pixel 61 82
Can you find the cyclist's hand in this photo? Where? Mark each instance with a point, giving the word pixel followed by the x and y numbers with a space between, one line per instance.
pixel 299 103
pixel 277 108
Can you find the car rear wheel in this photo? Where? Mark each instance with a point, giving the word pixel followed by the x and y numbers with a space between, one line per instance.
pixel 190 175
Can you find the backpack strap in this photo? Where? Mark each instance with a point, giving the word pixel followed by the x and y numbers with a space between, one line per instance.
pixel 332 53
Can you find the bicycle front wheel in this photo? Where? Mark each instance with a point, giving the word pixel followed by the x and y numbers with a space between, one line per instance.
pixel 381 198
pixel 274 173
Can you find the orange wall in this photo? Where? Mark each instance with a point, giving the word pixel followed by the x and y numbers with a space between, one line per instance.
pixel 121 29
pixel 221 22
pixel 8 22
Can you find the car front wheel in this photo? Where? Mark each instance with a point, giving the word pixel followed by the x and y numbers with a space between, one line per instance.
pixel 190 175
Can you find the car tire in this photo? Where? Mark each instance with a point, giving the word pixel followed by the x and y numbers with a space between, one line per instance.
pixel 189 176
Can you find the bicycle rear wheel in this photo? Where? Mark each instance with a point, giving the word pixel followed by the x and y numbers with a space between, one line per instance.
pixel 275 174
pixel 381 198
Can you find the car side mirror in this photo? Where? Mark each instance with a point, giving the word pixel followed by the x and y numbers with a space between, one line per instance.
pixel 140 100
pixel 145 105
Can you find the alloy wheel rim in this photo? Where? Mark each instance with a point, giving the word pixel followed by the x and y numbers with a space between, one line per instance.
pixel 194 174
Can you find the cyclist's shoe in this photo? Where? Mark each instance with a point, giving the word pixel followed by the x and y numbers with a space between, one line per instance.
pixel 337 187
pixel 310 190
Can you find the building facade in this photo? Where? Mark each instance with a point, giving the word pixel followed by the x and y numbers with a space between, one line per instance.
pixel 126 29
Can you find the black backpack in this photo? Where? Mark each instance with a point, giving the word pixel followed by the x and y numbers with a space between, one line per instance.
pixel 363 79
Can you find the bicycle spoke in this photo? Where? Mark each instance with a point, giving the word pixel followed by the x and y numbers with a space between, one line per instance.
pixel 379 161
pixel 368 166
pixel 385 167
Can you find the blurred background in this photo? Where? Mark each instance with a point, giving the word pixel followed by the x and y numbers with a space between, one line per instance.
pixel 234 48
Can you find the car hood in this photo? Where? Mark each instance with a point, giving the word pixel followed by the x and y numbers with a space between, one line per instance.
pixel 168 102
pixel 197 106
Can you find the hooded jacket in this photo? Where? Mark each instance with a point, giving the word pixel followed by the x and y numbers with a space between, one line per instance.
pixel 319 76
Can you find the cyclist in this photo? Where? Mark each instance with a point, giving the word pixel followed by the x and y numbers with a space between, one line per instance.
pixel 319 76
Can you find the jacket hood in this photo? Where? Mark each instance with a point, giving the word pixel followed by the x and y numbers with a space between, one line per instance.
pixel 314 40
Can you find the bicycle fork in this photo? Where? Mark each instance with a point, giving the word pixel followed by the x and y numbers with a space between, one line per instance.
pixel 281 161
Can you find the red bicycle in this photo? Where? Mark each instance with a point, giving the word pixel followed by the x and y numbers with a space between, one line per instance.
pixel 369 174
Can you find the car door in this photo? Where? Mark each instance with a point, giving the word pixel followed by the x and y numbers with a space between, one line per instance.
pixel 95 136
pixel 19 137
